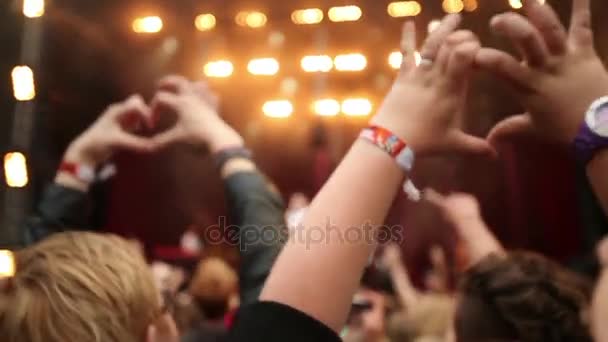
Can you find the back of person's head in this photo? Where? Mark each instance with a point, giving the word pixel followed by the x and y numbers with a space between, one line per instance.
pixel 430 318
pixel 522 296
pixel 212 286
pixel 78 287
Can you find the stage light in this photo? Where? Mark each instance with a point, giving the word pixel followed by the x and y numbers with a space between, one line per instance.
pixel 253 19
pixel 278 109
pixel 516 4
pixel 24 88
pixel 404 9
pixel 321 63
pixel 453 6
pixel 219 69
pixel 344 13
pixel 152 24
pixel 7 264
pixel 357 107
pixel 350 62
pixel 33 8
pixel 433 25
pixel 470 5
pixel 395 59
pixel 263 66
pixel 326 107
pixel 307 16
pixel 15 170
pixel 205 22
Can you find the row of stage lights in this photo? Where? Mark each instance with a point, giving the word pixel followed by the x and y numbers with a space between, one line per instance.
pixel 328 107
pixel 311 16
pixel 268 66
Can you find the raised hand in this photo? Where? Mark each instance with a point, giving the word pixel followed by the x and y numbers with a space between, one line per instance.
pixel 112 131
pixel 423 106
pixel 197 120
pixel 559 77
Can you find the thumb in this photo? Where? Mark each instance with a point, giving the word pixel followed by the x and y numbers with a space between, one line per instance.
pixel 512 126
pixel 134 143
pixel 466 143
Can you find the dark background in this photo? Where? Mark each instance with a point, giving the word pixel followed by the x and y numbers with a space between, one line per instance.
pixel 534 196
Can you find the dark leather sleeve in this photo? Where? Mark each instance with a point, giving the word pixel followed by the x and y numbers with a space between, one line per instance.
pixel 59 210
pixel 258 214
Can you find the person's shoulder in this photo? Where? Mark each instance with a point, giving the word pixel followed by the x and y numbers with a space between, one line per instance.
pixel 270 321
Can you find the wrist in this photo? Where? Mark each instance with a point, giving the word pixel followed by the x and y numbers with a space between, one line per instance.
pixel 79 153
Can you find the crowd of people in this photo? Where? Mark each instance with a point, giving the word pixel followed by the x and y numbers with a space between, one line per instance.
pixel 71 284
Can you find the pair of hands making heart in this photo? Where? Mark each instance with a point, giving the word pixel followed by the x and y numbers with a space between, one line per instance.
pixel 558 78
pixel 119 127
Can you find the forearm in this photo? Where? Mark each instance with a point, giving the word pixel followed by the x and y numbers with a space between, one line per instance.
pixel 255 210
pixel 478 239
pixel 406 292
pixel 357 196
pixel 600 309
pixel 596 171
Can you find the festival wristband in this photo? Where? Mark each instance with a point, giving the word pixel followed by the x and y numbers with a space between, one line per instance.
pixel 86 173
pixel 226 154
pixel 398 150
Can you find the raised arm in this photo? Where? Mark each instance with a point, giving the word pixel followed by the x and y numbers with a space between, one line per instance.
pixel 560 79
pixel 319 276
pixel 406 292
pixel 463 213
pixel 253 207
pixel 65 204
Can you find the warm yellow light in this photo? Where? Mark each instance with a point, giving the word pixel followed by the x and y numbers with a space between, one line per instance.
pixel 344 13
pixel 152 24
pixel 307 16
pixel 350 62
pixel 395 59
pixel 357 107
pixel 433 25
pixel 404 9
pixel 219 69
pixel 326 107
pixel 453 6
pixel 7 264
pixel 205 22
pixel 24 88
pixel 470 5
pixel 15 170
pixel 33 8
pixel 263 66
pixel 278 109
pixel 253 19
pixel 321 63
pixel 516 4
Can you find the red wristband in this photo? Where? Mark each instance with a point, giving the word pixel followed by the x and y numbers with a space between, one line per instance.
pixel 84 173
pixel 391 144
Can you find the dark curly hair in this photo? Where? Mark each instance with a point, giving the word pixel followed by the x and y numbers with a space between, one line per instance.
pixel 522 296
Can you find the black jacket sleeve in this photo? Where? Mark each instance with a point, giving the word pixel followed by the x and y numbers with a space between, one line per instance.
pixel 59 210
pixel 258 214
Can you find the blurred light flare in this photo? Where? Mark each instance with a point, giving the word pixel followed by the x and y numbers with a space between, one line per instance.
pixel 252 19
pixel 205 22
pixel 319 63
pixel 326 107
pixel 278 109
pixel 516 4
pixel 150 24
pixel 15 170
pixel 307 16
pixel 453 6
pixel 7 264
pixel 357 107
pixel 470 5
pixel 33 8
pixel 263 66
pixel 404 9
pixel 344 13
pixel 24 87
pixel 219 69
pixel 350 62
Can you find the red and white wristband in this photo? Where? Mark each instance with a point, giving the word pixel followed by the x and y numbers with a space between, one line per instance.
pixel 86 173
pixel 398 150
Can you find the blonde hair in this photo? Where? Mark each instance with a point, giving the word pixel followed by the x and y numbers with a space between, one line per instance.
pixel 78 286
